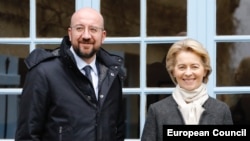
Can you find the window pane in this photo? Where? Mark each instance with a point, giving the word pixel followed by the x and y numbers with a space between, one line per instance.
pixel 241 15
pixel 132 117
pixel 233 60
pixel 157 75
pixel 152 98
pixel 8 116
pixel 14 18
pixel 166 17
pixel 232 17
pixel 131 55
pixel 53 17
pixel 239 105
pixel 224 64
pixel 12 67
pixel 48 46
pixel 122 17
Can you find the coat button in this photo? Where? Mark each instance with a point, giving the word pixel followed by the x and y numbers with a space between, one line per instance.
pixel 101 96
pixel 112 74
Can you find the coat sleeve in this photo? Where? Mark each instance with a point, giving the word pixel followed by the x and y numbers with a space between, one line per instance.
pixel 32 107
pixel 120 135
pixel 150 127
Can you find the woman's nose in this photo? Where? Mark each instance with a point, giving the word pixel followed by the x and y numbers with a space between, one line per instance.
pixel 188 71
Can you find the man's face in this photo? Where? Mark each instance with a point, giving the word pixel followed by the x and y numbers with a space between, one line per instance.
pixel 86 33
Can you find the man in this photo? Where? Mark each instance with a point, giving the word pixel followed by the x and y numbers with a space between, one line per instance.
pixel 59 102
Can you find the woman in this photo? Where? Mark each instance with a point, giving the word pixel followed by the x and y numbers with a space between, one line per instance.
pixel 188 65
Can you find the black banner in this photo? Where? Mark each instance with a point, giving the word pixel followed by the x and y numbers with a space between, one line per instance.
pixel 193 132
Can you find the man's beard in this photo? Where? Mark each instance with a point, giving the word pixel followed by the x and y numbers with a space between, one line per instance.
pixel 85 55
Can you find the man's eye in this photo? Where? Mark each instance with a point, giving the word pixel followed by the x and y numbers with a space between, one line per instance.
pixel 93 30
pixel 79 28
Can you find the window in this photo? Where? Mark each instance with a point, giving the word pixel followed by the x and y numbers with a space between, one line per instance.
pixel 141 31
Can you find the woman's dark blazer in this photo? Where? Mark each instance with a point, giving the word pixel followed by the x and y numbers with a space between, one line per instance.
pixel 166 112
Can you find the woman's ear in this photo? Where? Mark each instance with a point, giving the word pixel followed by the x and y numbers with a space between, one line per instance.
pixel 205 73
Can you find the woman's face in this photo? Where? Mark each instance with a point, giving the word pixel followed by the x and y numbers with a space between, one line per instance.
pixel 189 70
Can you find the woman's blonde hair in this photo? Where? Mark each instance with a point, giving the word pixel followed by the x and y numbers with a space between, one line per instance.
pixel 191 45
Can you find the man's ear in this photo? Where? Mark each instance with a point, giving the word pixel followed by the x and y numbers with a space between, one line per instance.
pixel 69 33
pixel 104 34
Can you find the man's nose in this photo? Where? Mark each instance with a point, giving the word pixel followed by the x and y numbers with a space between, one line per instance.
pixel 86 34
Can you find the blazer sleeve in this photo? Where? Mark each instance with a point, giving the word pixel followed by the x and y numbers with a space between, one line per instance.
pixel 227 116
pixel 150 127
